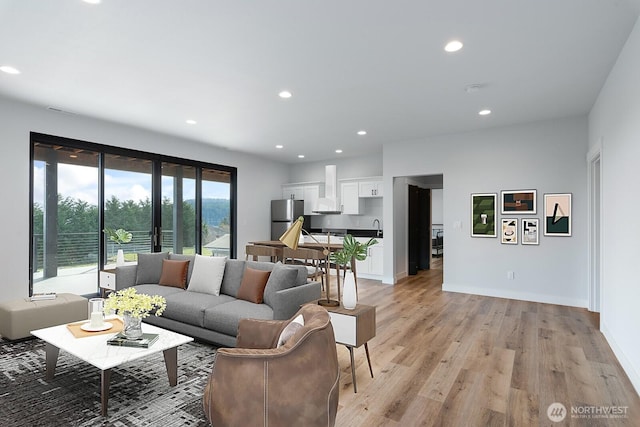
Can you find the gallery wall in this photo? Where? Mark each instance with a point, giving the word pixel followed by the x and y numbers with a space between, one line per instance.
pixel 547 156
pixel 614 130
pixel 19 119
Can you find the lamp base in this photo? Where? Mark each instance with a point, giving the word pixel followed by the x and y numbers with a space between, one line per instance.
pixel 329 303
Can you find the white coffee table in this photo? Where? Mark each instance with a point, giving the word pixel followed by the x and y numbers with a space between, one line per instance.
pixel 95 351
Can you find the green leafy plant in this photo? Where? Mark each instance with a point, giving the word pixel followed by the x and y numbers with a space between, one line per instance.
pixel 119 236
pixel 137 305
pixel 351 249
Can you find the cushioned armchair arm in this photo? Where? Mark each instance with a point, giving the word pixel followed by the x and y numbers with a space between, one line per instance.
pixel 125 276
pixel 255 333
pixel 287 302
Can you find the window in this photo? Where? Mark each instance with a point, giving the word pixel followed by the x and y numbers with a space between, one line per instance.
pixel 80 188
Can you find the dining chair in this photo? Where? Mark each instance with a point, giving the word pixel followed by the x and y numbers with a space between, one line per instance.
pixel 311 258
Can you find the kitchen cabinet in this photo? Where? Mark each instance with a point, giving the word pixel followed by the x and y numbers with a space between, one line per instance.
pixel 350 199
pixel 310 193
pixel 370 189
pixel 371 267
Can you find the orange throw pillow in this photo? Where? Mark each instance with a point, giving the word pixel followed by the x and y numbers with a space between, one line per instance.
pixel 252 285
pixel 174 273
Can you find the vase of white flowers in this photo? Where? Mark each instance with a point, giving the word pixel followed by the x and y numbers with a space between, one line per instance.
pixel 133 307
pixel 119 236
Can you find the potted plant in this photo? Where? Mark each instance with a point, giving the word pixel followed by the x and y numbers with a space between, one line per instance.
pixel 351 251
pixel 133 307
pixel 118 236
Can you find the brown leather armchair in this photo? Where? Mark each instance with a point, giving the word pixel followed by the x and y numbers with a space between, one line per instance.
pixel 259 384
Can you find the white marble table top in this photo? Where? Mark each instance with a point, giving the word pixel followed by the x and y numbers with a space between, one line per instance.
pixel 95 351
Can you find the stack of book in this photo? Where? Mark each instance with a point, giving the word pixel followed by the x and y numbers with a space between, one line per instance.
pixel 43 296
pixel 145 341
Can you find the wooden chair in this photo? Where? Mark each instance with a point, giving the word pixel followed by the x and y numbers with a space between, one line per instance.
pixel 311 258
pixel 256 251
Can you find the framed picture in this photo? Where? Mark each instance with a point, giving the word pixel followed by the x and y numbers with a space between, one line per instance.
pixel 483 214
pixel 529 235
pixel 518 202
pixel 557 214
pixel 509 231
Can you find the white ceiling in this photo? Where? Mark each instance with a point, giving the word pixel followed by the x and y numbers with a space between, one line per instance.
pixel 377 65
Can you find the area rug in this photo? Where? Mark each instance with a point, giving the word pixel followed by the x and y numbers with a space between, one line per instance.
pixel 139 395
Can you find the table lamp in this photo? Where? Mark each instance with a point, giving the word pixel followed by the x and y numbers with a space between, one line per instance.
pixel 291 237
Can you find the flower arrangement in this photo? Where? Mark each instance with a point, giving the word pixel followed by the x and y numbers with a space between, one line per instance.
pixel 119 236
pixel 128 301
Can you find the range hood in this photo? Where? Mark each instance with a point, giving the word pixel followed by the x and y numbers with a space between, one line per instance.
pixel 328 205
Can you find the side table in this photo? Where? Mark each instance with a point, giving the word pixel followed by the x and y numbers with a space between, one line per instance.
pixel 353 328
pixel 107 281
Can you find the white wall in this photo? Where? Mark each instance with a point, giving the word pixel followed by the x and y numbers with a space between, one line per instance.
pixel 436 206
pixel 547 156
pixel 614 123
pixel 259 180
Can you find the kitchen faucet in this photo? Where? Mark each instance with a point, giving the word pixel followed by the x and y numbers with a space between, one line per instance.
pixel 378 231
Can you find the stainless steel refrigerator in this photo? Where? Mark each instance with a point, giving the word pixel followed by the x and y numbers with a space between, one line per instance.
pixel 283 213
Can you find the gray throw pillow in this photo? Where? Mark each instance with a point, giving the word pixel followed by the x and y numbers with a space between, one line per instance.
pixel 282 277
pixel 150 267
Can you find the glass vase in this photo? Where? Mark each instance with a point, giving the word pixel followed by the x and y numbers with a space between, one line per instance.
pixel 132 326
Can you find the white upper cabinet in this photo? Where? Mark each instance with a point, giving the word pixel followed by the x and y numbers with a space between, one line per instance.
pixel 310 193
pixel 370 188
pixel 349 197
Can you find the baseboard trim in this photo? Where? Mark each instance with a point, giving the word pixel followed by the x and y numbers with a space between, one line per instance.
pixel 523 296
pixel 628 367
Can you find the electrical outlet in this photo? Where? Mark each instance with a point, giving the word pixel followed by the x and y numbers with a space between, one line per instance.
pixel 510 275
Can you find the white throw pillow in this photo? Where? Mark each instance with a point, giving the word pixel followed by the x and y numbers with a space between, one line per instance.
pixel 290 329
pixel 207 274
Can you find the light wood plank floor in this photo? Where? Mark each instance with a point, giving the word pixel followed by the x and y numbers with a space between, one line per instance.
pixel 447 359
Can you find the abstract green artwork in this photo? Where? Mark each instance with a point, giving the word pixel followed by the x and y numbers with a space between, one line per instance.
pixel 483 215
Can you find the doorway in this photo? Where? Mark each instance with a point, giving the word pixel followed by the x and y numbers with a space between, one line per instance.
pixel 419 229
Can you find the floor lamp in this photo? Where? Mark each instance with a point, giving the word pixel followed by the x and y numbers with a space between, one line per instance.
pixel 291 237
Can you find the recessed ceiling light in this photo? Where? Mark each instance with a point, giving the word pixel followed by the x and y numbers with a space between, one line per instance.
pixel 191 121
pixel 279 146
pixel 362 132
pixel 338 151
pixel 301 156
pixel 92 1
pixel 73 156
pixel 484 112
pixel 9 69
pixel 285 94
pixel 453 46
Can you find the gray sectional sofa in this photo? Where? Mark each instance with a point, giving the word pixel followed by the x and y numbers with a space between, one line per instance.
pixel 214 318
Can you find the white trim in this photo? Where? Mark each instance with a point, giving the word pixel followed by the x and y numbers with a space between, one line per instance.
pixel 523 296
pixel 595 295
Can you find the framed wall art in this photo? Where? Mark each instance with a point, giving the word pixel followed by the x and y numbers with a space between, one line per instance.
pixel 557 214
pixel 483 214
pixel 518 202
pixel 509 235
pixel 529 235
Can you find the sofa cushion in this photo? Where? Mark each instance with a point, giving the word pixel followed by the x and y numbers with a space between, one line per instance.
pixel 189 307
pixel 300 279
pixel 281 277
pixel 163 291
pixel 150 267
pixel 224 318
pixel 233 271
pixel 207 274
pixel 182 257
pixel 252 285
pixel 174 273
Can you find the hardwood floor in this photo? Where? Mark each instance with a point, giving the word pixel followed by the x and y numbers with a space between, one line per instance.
pixel 447 359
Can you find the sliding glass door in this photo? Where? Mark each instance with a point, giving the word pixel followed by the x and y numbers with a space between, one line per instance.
pixel 80 188
pixel 66 231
